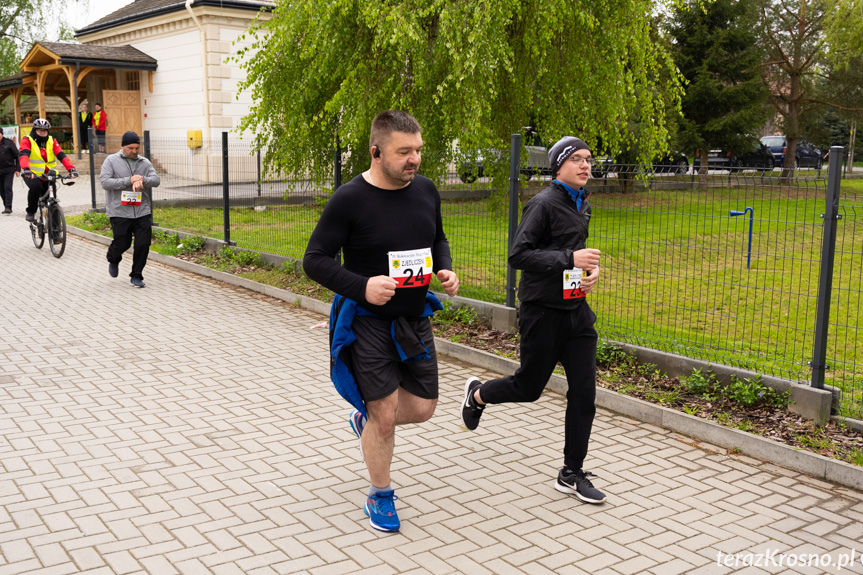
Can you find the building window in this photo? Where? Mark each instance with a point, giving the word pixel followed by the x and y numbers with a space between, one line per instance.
pixel 132 81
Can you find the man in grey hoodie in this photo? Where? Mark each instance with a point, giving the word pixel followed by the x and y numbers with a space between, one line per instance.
pixel 128 180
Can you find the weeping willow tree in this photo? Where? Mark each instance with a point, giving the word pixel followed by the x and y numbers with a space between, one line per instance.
pixel 23 22
pixel 471 72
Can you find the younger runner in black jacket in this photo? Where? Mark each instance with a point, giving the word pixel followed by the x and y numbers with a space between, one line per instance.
pixel 555 321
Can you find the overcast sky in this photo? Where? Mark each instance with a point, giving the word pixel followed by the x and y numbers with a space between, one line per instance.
pixel 78 17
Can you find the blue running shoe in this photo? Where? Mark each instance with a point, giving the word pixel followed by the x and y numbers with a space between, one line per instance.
pixel 358 422
pixel 381 509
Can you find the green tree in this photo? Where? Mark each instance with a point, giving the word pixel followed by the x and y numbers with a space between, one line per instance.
pixel 810 45
pixel 469 71
pixel 23 22
pixel 716 49
pixel 826 127
pixel 844 27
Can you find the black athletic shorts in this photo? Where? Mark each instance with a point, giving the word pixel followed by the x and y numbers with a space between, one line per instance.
pixel 376 365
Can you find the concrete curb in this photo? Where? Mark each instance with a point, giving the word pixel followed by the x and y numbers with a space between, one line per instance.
pixel 755 446
pixel 806 401
pixel 811 464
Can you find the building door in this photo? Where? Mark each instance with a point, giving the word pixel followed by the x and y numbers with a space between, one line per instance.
pixel 124 113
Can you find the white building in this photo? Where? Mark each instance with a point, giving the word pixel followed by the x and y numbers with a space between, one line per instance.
pixel 156 65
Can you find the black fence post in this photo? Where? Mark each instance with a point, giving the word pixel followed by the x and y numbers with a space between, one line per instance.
pixel 91 135
pixel 825 282
pixel 337 166
pixel 76 111
pixel 337 180
pixel 259 169
pixel 147 152
pixel 514 188
pixel 226 189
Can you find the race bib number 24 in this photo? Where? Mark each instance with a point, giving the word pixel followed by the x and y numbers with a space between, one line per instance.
pixel 411 268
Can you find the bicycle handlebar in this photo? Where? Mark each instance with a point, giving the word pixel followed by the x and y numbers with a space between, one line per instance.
pixel 52 175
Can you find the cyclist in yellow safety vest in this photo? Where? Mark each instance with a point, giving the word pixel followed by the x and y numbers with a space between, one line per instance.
pixel 39 153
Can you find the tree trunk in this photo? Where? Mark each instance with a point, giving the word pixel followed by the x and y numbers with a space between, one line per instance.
pixel 702 167
pixel 792 118
pixel 626 179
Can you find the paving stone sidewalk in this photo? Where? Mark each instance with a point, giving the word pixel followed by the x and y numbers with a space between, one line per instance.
pixel 190 427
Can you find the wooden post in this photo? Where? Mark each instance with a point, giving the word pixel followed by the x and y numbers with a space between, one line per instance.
pixel 72 77
pixel 40 91
pixel 16 103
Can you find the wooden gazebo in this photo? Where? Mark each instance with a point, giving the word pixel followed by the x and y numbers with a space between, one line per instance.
pixel 60 68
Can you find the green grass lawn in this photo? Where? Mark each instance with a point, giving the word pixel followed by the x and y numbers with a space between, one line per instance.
pixel 674 273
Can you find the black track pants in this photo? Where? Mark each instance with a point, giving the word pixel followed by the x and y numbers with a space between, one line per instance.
pixel 124 229
pixel 549 336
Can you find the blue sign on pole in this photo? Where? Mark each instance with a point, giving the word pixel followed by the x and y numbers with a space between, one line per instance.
pixel 751 215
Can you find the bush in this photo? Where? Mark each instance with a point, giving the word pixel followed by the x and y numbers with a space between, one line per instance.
pixel 293 267
pixel 96 221
pixel 746 392
pixel 191 244
pixel 451 314
pixel 752 392
pixel 165 237
pixel 247 258
pixel 702 384
pixel 609 354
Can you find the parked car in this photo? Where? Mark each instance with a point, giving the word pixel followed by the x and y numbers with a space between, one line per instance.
pixel 537 157
pixel 760 158
pixel 536 165
pixel 807 154
pixel 469 172
pixel 672 162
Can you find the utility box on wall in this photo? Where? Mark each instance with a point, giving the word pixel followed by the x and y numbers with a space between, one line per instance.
pixel 194 138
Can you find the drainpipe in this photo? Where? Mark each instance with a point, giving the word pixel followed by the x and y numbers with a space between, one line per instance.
pixel 206 77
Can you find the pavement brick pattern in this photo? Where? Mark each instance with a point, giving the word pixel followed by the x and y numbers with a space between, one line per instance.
pixel 190 427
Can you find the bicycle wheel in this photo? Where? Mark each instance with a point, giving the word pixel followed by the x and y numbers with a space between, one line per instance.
pixel 56 230
pixel 37 230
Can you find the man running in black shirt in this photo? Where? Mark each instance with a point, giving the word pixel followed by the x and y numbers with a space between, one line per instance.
pixel 387 222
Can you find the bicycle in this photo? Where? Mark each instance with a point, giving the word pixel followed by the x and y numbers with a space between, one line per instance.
pixel 49 216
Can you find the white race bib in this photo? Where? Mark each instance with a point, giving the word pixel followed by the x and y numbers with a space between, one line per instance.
pixel 572 283
pixel 130 198
pixel 411 268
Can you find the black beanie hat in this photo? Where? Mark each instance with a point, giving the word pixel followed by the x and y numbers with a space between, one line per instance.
pixel 563 149
pixel 130 138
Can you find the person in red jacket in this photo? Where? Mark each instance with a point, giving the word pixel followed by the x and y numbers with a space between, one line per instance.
pixel 100 124
pixel 39 153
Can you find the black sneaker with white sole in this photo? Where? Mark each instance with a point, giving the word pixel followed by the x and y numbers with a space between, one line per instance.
pixel 579 485
pixel 471 411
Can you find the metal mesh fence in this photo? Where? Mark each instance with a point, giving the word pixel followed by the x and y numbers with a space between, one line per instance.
pixel 682 275
pixel 844 353
pixel 267 213
pixel 277 214
pixel 474 212
pixel 679 270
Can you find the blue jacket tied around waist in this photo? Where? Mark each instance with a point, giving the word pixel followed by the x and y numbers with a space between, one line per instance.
pixel 342 314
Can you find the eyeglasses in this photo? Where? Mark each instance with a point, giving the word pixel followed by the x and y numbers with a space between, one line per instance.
pixel 578 161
